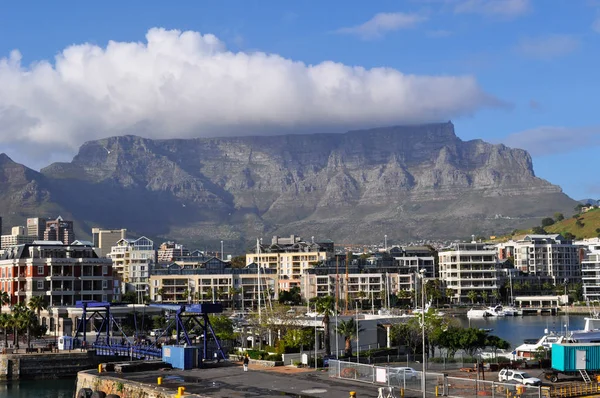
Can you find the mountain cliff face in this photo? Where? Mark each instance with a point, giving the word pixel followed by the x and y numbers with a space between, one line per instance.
pixel 406 182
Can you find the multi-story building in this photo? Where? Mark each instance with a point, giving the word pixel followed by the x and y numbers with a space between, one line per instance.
pixel 59 230
pixel 62 274
pixel 590 272
pixel 169 251
pixel 550 257
pixel 36 227
pixel 132 260
pixel 290 257
pixel 105 239
pixel 466 267
pixel 17 237
pixel 213 280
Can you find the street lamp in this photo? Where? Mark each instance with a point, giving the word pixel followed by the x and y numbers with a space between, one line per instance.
pixel 422 272
pixel 222 256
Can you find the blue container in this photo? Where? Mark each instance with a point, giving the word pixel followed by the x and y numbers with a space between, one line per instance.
pixel 573 357
pixel 180 357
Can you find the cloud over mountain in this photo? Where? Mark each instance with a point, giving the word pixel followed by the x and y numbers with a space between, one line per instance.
pixel 185 84
pixel 549 140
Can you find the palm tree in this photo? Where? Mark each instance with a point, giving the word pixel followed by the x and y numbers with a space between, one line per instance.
pixel 6 322
pixel 17 312
pixel 37 304
pixel 349 330
pixel 496 294
pixel 233 292
pixel 449 294
pixel 4 298
pixel 484 296
pixel 325 305
pixel 472 295
pixel 25 320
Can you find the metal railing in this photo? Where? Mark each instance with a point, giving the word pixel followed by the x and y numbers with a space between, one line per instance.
pixel 436 384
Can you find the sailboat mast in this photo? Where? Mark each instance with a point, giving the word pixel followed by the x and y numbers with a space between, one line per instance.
pixel 258 252
pixel 337 284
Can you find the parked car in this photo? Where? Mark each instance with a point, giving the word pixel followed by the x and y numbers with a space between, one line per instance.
pixel 399 375
pixel 518 376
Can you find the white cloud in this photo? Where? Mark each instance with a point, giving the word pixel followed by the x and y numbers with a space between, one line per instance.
pixel 188 85
pixel 548 140
pixel 383 23
pixel 497 8
pixel 548 47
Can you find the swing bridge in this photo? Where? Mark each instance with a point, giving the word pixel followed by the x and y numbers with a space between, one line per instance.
pixel 183 318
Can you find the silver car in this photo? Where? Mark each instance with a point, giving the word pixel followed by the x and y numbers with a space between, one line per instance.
pixel 401 374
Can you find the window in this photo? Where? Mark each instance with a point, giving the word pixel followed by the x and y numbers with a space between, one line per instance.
pixel 104 284
pixel 40 270
pixel 40 285
pixel 104 270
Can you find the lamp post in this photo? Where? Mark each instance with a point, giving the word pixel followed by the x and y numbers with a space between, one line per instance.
pixel 222 256
pixel 385 242
pixel 315 336
pixel 357 336
pixel 422 272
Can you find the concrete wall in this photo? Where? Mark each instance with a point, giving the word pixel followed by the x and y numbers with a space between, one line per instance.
pixel 48 366
pixel 124 388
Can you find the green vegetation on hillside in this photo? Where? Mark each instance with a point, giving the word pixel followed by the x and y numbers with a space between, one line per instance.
pixel 578 226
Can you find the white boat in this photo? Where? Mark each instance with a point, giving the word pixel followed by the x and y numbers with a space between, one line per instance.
pixel 530 347
pixel 590 332
pixel 418 311
pixel 496 311
pixel 475 313
pixel 510 311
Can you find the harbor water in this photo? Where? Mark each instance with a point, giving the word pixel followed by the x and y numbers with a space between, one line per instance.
pixel 62 388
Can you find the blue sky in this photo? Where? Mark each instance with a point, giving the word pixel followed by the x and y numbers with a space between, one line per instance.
pixel 519 72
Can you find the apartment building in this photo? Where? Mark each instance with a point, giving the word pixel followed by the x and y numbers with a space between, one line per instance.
pixel 213 280
pixel 132 260
pixel 170 251
pixel 550 257
pixel 465 267
pixel 105 239
pixel 18 236
pixel 290 257
pixel 62 274
pixel 590 272
pixel 59 230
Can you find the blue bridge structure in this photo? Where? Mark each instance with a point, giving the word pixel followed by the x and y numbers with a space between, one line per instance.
pixel 183 318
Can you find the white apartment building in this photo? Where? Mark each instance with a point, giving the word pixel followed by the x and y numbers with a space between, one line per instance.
pixel 547 256
pixel 590 272
pixel 466 267
pixel 18 236
pixel 290 257
pixel 132 260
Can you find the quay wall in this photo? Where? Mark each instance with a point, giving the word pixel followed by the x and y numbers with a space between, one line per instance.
pixel 124 388
pixel 48 365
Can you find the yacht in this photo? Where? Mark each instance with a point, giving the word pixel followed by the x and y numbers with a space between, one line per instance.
pixel 590 332
pixel 478 313
pixel 418 311
pixel 530 347
pixel 510 311
pixel 496 311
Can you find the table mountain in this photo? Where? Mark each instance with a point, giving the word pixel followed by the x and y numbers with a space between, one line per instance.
pixel 407 182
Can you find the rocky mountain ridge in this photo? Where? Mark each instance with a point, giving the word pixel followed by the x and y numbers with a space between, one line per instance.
pixel 407 182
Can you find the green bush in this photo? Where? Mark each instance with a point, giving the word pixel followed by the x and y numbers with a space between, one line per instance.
pixel 380 352
pixel 257 354
pixel 274 357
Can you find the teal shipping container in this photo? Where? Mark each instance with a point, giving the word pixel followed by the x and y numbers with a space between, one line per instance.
pixel 573 357
pixel 180 357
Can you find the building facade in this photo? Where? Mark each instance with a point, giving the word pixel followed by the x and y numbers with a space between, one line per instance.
pixel 61 274
pixel 18 236
pixel 211 281
pixel 290 257
pixel 170 251
pixel 590 273
pixel 132 260
pixel 105 239
pixel 36 227
pixel 469 267
pixel 59 230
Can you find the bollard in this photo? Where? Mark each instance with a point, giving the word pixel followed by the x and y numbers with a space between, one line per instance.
pixel 159 381
pixel 402 393
pixel 437 392
pixel 352 394
pixel 180 392
pixel 100 368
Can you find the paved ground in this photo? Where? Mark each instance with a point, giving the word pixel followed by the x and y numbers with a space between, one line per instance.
pixel 230 381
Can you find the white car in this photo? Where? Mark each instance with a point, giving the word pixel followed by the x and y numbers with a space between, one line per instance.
pixel 398 375
pixel 518 376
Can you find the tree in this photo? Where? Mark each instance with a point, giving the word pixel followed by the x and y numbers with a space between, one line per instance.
pixel 547 286
pixel 223 327
pixel 472 295
pixel 238 262
pixel 325 305
pixel 291 297
pixel 129 297
pixel 407 334
pixel 496 343
pixel 484 296
pixel 496 294
pixel 579 207
pixel 449 294
pixel 349 330
pixel 433 289
pixel 579 223
pixel 37 304
pixel 546 222
pixel 538 230
pixel 6 322
pixel 559 216
pixel 4 298
pixel 472 339
pixel 568 236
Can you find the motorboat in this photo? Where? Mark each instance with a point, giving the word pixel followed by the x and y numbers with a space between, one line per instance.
pixel 478 313
pixel 530 347
pixel 510 311
pixel 590 332
pixel 496 311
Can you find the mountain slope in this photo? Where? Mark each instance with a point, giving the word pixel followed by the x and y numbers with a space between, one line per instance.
pixel 406 182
